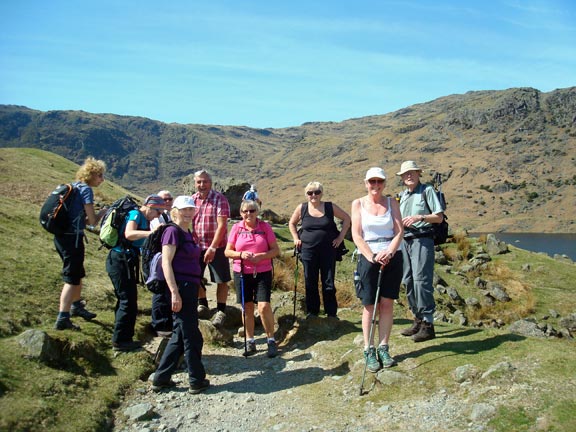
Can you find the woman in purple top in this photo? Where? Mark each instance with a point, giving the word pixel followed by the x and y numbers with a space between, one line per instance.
pixel 181 267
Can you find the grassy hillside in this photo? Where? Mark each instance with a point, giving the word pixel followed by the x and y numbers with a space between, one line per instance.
pixel 35 396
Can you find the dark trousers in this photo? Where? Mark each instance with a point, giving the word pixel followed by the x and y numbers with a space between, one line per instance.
pixel 162 311
pixel 320 261
pixel 186 338
pixel 122 269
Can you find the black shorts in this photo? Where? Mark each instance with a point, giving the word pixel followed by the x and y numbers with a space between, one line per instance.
pixel 390 282
pixel 256 288
pixel 219 268
pixel 70 247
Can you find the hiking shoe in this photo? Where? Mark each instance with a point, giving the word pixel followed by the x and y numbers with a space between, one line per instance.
pixel 272 349
pixel 126 346
pixel 66 324
pixel 219 318
pixel 411 331
pixel 159 386
pixel 82 312
pixel 372 363
pixel 250 349
pixel 199 387
pixel 425 333
pixel 203 312
pixel 384 357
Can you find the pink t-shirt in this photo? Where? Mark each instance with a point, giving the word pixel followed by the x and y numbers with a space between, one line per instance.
pixel 257 240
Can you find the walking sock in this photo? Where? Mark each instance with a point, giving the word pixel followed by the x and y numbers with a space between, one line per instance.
pixel 251 340
pixel 203 302
pixel 221 307
pixel 271 339
pixel 63 315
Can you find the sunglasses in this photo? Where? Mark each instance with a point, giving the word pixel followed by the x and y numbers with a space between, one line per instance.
pixel 249 211
pixel 376 181
pixel 316 192
pixel 168 199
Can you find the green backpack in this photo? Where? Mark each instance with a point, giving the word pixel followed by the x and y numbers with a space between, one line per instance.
pixel 114 219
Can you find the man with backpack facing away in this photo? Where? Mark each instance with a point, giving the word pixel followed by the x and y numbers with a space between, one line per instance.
pixel 122 266
pixel 420 208
pixel 70 245
pixel 252 195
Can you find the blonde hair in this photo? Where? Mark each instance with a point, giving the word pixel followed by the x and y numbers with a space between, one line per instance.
pixel 314 185
pixel 90 167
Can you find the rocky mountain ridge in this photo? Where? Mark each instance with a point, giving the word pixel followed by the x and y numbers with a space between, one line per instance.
pixel 507 157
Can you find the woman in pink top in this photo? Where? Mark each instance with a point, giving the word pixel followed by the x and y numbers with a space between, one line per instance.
pixel 252 245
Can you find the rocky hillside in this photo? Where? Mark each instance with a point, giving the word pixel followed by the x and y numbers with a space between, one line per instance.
pixel 507 157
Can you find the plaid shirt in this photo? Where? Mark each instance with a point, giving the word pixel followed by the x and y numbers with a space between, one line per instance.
pixel 205 220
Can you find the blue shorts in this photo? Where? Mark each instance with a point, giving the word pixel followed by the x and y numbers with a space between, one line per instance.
pixel 256 288
pixel 390 279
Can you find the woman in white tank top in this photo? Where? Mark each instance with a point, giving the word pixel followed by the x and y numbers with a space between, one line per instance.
pixel 377 232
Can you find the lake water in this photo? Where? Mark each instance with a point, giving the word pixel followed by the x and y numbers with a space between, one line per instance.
pixel 563 244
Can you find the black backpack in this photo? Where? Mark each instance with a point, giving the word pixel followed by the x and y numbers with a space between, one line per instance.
pixel 151 247
pixel 54 215
pixel 110 235
pixel 441 230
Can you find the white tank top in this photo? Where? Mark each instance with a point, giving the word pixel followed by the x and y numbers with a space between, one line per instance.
pixel 378 230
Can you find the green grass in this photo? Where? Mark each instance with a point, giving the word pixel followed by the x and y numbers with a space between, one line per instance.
pixel 36 396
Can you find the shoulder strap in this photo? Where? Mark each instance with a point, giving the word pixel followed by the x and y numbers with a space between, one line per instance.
pixel 329 209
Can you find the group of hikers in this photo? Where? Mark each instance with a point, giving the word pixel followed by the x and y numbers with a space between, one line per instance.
pixel 394 239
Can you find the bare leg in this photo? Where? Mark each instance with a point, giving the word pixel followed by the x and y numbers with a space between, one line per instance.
pixel 249 321
pixel 70 294
pixel 386 311
pixel 366 322
pixel 267 317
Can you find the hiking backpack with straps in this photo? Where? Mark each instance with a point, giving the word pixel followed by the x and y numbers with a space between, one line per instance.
pixel 440 230
pixel 54 215
pixel 113 219
pixel 151 252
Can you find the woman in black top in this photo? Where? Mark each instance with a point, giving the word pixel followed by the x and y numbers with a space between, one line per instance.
pixel 317 242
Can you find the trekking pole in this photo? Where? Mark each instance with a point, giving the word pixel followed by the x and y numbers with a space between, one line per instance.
pixel 371 327
pixel 295 282
pixel 243 307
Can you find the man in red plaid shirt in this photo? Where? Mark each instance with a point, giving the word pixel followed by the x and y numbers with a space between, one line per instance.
pixel 210 226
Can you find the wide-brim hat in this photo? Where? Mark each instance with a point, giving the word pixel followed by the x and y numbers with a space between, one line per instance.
pixel 375 172
pixel 408 166
pixel 183 201
pixel 155 202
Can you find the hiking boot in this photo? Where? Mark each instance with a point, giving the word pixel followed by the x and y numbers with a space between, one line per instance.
pixel 385 359
pixel 372 363
pixel 219 318
pixel 126 346
pixel 250 349
pixel 159 386
pixel 199 387
pixel 66 324
pixel 411 331
pixel 272 349
pixel 425 333
pixel 82 312
pixel 203 312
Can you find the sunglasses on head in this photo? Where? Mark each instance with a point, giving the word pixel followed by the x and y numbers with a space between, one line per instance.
pixel 248 211
pixel 316 192
pixel 376 181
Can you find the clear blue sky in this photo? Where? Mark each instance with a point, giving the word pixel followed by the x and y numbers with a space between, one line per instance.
pixel 276 63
